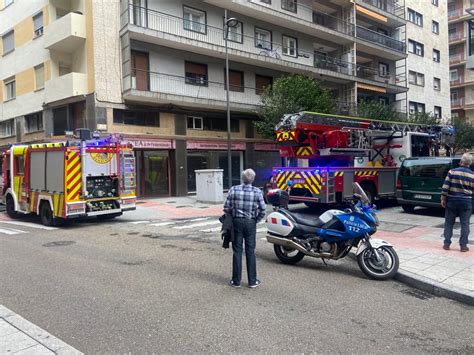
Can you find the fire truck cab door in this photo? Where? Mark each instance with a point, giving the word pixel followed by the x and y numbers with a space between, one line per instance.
pixel 18 183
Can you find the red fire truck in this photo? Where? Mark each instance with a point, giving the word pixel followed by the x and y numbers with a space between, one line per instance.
pixel 324 154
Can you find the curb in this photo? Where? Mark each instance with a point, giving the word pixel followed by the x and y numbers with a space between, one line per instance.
pixel 431 286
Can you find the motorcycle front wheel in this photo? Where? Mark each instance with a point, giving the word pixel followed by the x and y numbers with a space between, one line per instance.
pixel 382 269
pixel 287 255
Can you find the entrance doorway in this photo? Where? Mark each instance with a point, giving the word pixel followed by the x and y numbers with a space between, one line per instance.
pixel 153 173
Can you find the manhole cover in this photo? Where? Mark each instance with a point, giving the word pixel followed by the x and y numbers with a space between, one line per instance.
pixel 422 295
pixel 60 243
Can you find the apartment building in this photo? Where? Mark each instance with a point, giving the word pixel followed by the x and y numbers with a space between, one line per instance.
pixel 152 71
pixel 461 77
pixel 427 62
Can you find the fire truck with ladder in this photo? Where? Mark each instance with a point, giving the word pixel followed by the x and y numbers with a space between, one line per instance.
pixel 79 177
pixel 324 154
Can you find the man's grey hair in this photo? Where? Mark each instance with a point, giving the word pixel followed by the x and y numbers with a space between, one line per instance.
pixel 248 176
pixel 466 159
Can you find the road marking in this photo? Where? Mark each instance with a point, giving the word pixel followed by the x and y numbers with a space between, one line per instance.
pixel 139 222
pixel 197 219
pixel 11 231
pixel 162 224
pixel 210 230
pixel 31 225
pixel 197 225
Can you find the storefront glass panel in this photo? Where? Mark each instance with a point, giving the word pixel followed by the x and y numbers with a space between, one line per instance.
pixel 153 173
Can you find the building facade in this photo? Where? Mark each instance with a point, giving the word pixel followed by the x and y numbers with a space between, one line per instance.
pixel 152 71
pixel 461 78
pixel 428 58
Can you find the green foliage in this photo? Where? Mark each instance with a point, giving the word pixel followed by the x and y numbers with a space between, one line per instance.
pixel 291 94
pixel 424 118
pixel 464 136
pixel 376 110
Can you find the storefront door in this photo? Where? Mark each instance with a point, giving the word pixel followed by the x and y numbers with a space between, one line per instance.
pixel 153 173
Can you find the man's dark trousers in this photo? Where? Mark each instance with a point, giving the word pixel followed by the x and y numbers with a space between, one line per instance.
pixel 244 229
pixel 455 208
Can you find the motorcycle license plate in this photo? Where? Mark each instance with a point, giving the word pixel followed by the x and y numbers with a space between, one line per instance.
pixel 423 197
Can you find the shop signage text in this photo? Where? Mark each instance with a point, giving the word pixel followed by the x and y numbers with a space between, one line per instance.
pixel 213 145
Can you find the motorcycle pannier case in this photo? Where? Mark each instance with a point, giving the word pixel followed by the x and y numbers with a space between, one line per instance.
pixel 278 198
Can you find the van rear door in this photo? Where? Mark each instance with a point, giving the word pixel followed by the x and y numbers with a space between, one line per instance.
pixel 422 179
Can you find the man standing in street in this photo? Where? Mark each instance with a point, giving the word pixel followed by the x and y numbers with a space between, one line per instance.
pixel 245 203
pixel 456 197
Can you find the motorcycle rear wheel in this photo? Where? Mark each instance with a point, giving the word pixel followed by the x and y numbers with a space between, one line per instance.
pixel 379 270
pixel 287 255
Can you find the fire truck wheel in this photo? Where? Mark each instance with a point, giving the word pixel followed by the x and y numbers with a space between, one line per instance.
pixel 46 214
pixel 10 207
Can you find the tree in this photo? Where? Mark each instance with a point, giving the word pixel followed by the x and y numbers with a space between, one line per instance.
pixel 424 118
pixel 291 94
pixel 463 136
pixel 377 110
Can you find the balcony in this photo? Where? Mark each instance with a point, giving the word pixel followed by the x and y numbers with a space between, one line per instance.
pixel 381 40
pixel 147 86
pixel 65 86
pixel 456 58
pixel 457 36
pixel 66 33
pixel 393 7
pixel 457 103
pixel 453 14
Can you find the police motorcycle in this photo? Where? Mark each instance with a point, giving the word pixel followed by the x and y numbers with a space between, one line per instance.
pixel 331 235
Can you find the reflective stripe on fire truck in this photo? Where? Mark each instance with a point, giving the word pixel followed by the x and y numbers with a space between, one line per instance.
pixel 366 173
pixel 304 152
pixel 73 176
pixel 339 173
pixel 47 145
pixel 303 179
pixel 285 136
pixel 58 202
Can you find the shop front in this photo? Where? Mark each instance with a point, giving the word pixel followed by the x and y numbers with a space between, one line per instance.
pixel 152 162
pixel 213 155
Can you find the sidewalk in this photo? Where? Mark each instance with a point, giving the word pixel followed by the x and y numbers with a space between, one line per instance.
pixel 19 336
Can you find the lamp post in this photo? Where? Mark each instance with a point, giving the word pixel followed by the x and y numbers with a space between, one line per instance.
pixel 228 23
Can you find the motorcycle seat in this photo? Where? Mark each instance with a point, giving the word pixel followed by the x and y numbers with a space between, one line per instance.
pixel 311 222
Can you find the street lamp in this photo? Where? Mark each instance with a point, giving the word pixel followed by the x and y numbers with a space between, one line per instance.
pixel 228 23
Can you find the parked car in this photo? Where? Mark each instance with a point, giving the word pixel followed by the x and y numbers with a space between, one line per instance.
pixel 420 181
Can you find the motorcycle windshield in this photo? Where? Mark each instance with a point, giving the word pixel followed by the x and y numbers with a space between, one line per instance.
pixel 358 190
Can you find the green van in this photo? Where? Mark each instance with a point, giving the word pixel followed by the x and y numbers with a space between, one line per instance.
pixel 420 181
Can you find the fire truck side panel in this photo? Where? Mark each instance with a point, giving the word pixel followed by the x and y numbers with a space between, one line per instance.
pixel 387 182
pixel 73 180
pixel 18 187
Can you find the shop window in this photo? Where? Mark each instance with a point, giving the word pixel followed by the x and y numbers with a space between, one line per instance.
pixel 69 118
pixel 34 122
pixel 262 82
pixel 196 73
pixel 137 118
pixel 7 128
pixel 236 80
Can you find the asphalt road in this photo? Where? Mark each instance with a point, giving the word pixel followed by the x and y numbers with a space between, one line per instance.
pixel 123 287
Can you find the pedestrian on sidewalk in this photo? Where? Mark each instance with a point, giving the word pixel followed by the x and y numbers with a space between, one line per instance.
pixel 456 198
pixel 245 203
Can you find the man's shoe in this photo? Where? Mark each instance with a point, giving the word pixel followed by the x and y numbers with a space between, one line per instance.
pixel 446 246
pixel 256 284
pixel 464 248
pixel 233 284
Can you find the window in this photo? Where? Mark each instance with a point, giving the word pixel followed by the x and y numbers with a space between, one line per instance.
pixel 454 95
pixel 39 76
pixel 416 48
pixel 290 46
pixel 435 27
pixel 263 39
pixel 437 111
pixel 10 88
pixel 262 82
pixel 137 118
pixel 194 20
pixel 415 17
pixel 7 128
pixel 416 107
pixel 436 56
pixel 8 41
pixel 195 73
pixel 236 80
pixel 195 122
pixel 435 2
pixel 416 78
pixel 19 165
pixel 383 69
pixel 235 33
pixel 289 5
pixel 453 75
pixel 437 84
pixel 34 122
pixel 38 24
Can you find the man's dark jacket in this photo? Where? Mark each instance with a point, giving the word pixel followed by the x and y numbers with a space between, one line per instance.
pixel 227 231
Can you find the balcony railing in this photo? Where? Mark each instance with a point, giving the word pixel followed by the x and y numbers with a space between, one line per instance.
pixel 455 58
pixel 378 38
pixel 455 13
pixel 258 47
pixel 333 23
pixel 459 80
pixel 393 7
pixel 457 102
pixel 456 36
pixel 142 80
